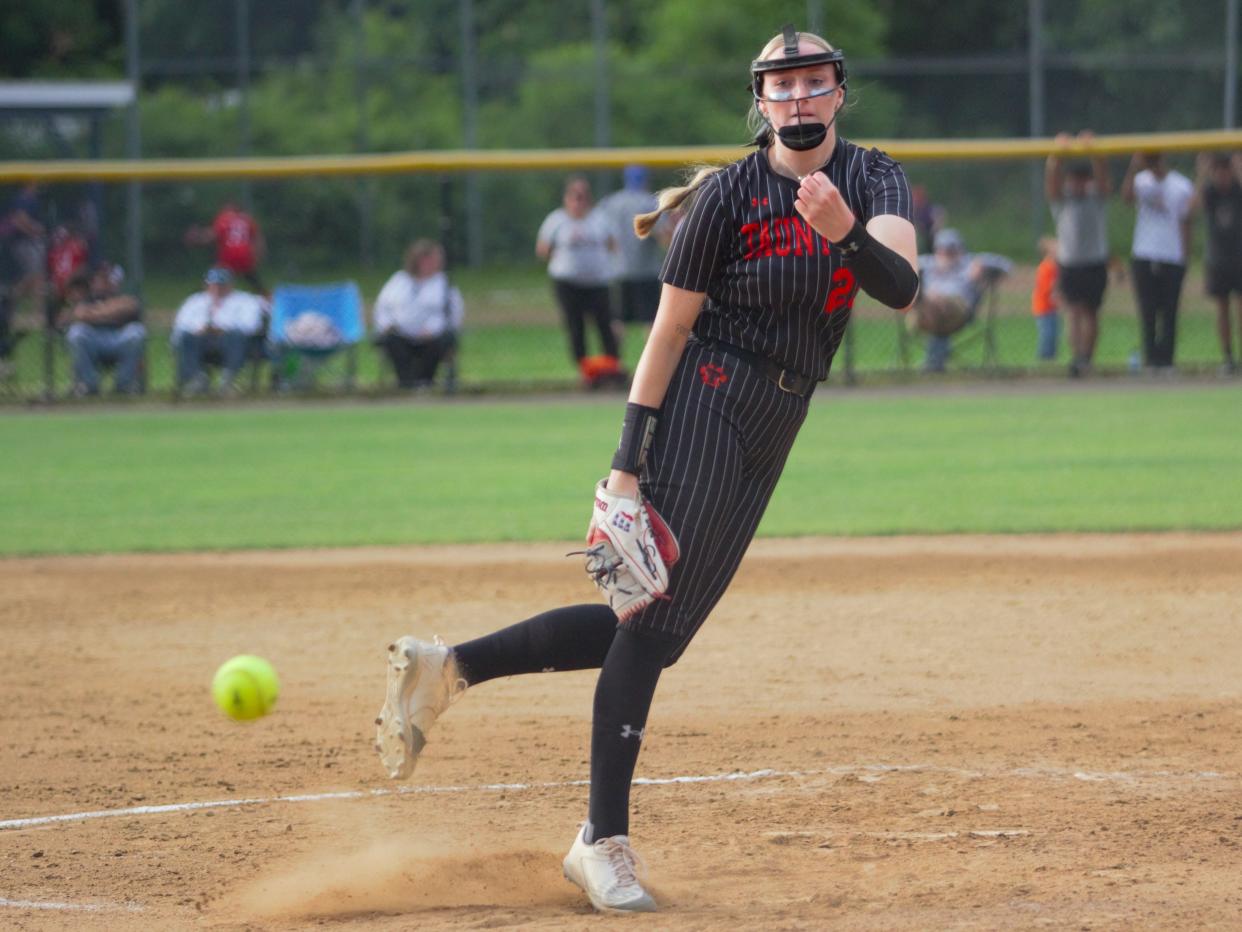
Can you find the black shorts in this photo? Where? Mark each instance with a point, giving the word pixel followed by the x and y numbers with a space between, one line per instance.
pixel 637 299
pixel 1224 278
pixel 1083 285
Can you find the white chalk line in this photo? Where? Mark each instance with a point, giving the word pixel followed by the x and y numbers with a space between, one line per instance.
pixel 870 773
pixel 72 907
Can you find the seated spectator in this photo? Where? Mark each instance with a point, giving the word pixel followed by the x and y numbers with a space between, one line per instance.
pixel 216 323
pixel 418 315
pixel 952 282
pixel 103 327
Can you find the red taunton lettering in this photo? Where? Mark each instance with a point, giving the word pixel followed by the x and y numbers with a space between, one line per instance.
pixel 749 230
pixel 782 238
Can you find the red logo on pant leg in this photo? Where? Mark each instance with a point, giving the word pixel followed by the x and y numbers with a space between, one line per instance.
pixel 712 375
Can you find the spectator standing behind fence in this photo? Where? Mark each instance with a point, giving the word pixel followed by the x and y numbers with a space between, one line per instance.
pixel 1219 193
pixel 23 236
pixel 68 254
pixel 418 316
pixel 636 287
pixel 577 243
pixel 952 282
pixel 1044 301
pixel 103 327
pixel 1165 200
pixel 926 217
pixel 239 243
pixel 22 262
pixel 217 324
pixel 1078 197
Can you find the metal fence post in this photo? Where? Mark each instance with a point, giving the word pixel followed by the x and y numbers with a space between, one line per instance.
pixel 49 348
pixel 366 184
pixel 1231 63
pixel 133 146
pixel 1035 77
pixel 242 13
pixel 470 133
pixel 851 372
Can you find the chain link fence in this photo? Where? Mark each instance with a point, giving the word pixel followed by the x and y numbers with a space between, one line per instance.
pixel 289 77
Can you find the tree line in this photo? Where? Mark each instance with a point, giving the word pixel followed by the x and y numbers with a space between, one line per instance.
pixel 338 76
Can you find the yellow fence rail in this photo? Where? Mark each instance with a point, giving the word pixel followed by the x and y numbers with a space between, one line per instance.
pixel 451 161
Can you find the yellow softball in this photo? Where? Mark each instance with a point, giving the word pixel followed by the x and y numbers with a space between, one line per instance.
pixel 245 687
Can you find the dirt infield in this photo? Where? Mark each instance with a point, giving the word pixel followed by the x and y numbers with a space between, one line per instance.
pixel 967 732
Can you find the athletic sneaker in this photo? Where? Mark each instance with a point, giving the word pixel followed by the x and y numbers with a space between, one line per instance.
pixel 422 682
pixel 610 873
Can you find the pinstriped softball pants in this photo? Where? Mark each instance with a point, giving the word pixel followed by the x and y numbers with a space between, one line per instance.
pixel 724 434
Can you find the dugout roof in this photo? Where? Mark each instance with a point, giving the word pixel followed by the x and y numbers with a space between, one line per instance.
pixel 64 97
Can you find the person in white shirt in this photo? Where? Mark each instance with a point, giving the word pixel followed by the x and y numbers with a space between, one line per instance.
pixel 1165 202
pixel 216 323
pixel 418 315
pixel 578 244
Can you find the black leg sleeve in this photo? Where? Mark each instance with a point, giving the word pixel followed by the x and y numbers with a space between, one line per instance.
pixel 623 696
pixel 573 638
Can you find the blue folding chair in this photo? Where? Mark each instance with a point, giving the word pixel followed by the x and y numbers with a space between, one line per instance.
pixel 312 323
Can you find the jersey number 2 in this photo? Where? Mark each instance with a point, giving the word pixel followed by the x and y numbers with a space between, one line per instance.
pixel 844 288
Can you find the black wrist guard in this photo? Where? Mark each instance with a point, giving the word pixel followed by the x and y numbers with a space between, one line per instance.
pixel 880 271
pixel 636 432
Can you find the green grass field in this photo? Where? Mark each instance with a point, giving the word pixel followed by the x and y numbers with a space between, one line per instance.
pixel 219 477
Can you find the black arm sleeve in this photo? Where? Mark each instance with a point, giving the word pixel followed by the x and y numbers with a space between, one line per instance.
pixel 880 271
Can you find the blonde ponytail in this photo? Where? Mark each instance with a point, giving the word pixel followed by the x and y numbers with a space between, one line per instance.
pixel 671 199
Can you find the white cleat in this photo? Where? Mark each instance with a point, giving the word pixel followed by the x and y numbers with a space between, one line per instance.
pixel 422 683
pixel 610 873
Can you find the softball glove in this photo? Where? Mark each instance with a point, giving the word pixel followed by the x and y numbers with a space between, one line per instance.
pixel 629 551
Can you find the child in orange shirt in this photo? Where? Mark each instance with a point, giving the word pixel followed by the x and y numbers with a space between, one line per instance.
pixel 1044 300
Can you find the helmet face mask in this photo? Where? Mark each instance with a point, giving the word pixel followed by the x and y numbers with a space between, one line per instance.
pixel 799 136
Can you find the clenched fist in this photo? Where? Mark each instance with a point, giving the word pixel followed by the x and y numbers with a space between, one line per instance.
pixel 824 208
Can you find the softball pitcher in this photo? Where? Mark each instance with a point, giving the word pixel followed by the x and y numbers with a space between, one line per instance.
pixel 758 286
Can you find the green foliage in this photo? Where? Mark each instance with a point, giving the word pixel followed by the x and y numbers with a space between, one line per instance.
pixel 1157 25
pixel 324 80
pixel 58 39
pixel 925 27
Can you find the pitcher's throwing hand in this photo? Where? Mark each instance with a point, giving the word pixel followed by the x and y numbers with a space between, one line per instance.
pixel 819 201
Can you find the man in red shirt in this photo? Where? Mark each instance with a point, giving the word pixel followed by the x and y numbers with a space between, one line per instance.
pixel 66 256
pixel 238 240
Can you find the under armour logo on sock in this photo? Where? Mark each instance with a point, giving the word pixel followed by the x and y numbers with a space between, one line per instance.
pixel 628 732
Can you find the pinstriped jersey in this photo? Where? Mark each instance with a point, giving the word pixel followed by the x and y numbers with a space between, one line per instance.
pixel 775 286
